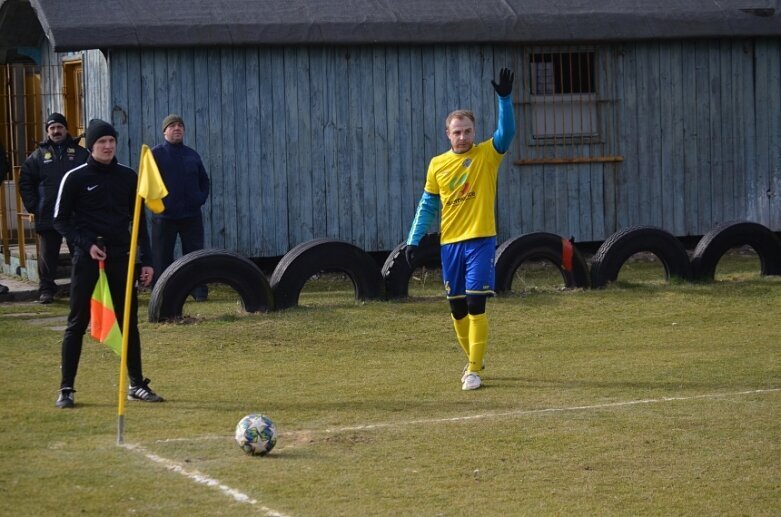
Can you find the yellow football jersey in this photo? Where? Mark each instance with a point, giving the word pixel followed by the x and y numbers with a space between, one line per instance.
pixel 466 186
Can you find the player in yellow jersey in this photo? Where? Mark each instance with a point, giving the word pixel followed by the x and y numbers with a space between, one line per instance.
pixel 462 183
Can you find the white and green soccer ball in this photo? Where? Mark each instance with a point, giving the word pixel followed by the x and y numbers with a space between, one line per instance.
pixel 256 434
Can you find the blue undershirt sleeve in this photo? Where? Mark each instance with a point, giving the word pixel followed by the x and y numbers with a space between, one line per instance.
pixel 505 127
pixel 427 210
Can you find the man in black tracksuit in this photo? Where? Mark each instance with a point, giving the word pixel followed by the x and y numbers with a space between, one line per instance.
pixel 39 182
pixel 93 211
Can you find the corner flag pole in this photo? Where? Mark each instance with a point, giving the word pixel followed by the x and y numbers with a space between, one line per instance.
pixel 129 286
pixel 152 190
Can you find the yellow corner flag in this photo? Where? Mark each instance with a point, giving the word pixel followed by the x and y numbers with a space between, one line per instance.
pixel 152 189
pixel 103 319
pixel 150 183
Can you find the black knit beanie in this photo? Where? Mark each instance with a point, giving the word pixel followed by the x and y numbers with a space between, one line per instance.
pixel 56 118
pixel 97 129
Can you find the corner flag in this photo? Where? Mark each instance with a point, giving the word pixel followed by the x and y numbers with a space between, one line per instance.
pixel 150 183
pixel 152 190
pixel 103 319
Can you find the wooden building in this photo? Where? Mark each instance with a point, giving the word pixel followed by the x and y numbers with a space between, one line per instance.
pixel 317 119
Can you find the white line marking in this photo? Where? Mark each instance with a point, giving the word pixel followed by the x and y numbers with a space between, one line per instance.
pixel 196 476
pixel 503 414
pixel 523 412
pixel 195 439
pixel 244 498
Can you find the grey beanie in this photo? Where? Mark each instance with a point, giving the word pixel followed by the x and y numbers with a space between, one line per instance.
pixel 170 119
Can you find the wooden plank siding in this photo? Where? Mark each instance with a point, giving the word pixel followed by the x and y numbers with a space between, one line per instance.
pixel 51 82
pixel 768 134
pixel 305 142
pixel 96 100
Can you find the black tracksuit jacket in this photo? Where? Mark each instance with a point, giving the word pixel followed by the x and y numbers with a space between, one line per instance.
pixel 97 200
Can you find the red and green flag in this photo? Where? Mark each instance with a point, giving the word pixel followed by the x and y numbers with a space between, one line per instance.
pixel 104 325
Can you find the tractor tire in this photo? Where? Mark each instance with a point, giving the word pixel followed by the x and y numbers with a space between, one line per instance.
pixel 311 257
pixel 397 273
pixel 733 234
pixel 615 251
pixel 209 266
pixel 545 246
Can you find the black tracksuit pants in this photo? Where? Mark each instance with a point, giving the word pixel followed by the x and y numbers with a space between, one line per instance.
pixel 49 242
pixel 84 276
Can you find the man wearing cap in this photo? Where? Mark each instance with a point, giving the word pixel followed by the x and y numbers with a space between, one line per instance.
pixel 39 181
pixel 94 209
pixel 188 189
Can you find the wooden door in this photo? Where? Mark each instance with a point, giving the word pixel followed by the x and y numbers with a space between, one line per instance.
pixel 73 92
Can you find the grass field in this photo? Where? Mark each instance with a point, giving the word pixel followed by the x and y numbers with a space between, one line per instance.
pixel 646 398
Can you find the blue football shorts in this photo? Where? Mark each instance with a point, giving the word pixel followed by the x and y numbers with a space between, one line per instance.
pixel 468 267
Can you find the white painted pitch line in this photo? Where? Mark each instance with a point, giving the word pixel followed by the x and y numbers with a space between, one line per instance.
pixel 241 497
pixel 202 479
pixel 523 412
pixel 502 414
pixel 194 439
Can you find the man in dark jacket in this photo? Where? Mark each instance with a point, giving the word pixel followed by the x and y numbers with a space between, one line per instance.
pixel 93 211
pixel 4 168
pixel 188 189
pixel 5 165
pixel 41 174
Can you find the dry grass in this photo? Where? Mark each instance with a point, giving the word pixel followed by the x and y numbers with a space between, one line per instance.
pixel 637 399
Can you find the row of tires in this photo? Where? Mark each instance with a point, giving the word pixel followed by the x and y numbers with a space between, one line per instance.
pixel 392 280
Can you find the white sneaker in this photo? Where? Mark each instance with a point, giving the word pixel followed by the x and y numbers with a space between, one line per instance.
pixel 465 371
pixel 471 382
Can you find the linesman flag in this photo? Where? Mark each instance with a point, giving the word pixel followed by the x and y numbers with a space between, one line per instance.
pixel 103 319
pixel 150 183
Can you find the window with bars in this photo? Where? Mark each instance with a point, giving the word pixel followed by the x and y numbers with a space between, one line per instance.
pixel 567 113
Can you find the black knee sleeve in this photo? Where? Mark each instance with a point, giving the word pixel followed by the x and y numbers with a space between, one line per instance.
pixel 459 308
pixel 475 303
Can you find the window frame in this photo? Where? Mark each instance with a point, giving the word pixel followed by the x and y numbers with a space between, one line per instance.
pixel 597 140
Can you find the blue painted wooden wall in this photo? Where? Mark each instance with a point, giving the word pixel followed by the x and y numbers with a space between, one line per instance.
pixel 334 142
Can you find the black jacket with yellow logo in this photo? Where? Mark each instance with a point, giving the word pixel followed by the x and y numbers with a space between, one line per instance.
pixel 41 175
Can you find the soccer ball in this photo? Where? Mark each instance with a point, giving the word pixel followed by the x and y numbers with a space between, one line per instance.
pixel 256 434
